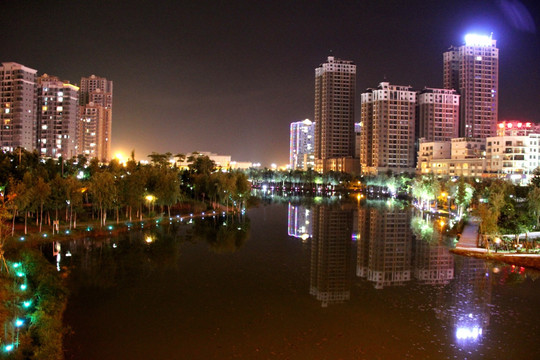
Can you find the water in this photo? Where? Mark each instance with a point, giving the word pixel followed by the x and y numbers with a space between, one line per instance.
pixel 361 287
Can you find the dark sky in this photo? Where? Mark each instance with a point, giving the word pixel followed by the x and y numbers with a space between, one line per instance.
pixel 230 76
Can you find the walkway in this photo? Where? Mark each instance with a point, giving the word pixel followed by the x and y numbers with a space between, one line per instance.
pixel 469 236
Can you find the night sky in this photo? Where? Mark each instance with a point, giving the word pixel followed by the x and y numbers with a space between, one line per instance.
pixel 230 76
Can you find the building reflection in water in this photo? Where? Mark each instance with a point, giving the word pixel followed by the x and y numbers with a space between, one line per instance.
pixel 299 222
pixel 433 264
pixel 384 246
pixel 331 253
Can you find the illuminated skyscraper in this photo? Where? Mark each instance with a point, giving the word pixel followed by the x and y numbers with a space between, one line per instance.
pixel 388 123
pixel 438 114
pixel 473 70
pixel 335 87
pixel 56 117
pixel 95 118
pixel 18 101
pixel 301 149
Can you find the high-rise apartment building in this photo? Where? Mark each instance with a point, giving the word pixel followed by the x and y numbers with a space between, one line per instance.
pixel 95 118
pixel 438 114
pixel 335 87
pixel 18 101
pixel 473 70
pixel 388 124
pixel 301 147
pixel 56 117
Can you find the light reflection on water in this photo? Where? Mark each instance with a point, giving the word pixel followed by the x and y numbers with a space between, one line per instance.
pixel 297 281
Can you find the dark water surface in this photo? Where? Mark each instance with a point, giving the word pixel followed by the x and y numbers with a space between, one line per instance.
pixel 360 287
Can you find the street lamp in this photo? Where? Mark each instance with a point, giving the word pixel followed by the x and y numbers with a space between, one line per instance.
pixel 150 199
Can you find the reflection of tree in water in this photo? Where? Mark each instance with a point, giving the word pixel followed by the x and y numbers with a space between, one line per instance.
pixel 422 228
pixel 130 256
pixel 223 235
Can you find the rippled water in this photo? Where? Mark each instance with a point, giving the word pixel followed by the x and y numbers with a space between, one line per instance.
pixel 332 281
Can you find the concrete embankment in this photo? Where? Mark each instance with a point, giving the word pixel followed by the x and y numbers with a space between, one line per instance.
pixel 467 246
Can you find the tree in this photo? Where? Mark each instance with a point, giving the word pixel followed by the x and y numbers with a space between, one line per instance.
pixel 21 200
pixel 168 189
pixel 463 195
pixel 533 202
pixel 488 222
pixel 103 191
pixel 40 195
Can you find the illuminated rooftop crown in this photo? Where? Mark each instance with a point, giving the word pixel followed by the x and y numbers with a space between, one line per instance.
pixel 479 40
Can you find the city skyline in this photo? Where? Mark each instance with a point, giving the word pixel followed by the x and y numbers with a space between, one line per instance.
pixel 230 78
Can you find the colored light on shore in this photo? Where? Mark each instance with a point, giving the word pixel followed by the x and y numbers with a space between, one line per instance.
pixel 16 265
pixel 110 227
pixel 8 348
pixel 23 286
pixel 22 238
pixel 149 239
pixel 20 274
pixel 19 323
pixel 27 304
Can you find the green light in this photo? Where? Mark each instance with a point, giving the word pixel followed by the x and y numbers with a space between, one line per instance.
pixel 8 348
pixel 20 274
pixel 19 323
pixel 23 286
pixel 27 304
pixel 16 265
pixel 110 227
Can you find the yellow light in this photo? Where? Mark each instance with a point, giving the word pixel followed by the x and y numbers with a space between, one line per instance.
pixel 443 194
pixel 150 197
pixel 121 158
pixel 148 239
pixel 442 223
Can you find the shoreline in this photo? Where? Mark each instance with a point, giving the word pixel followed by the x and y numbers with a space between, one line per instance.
pixel 531 261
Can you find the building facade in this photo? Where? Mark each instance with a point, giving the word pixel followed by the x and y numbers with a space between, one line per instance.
pixel 335 88
pixel 473 71
pixel 388 127
pixel 95 118
pixel 18 103
pixel 301 146
pixel 56 117
pixel 438 114
pixel 515 152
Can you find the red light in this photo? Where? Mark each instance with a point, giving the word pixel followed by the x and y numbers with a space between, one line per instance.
pixel 501 125
pixel 509 125
pixel 528 124
pixel 519 125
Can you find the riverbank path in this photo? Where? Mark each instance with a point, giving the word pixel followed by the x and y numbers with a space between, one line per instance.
pixel 469 236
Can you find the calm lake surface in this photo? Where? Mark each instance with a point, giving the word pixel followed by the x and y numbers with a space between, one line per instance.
pixel 286 281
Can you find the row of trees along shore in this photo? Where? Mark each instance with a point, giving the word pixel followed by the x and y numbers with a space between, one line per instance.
pixel 42 192
pixel 504 210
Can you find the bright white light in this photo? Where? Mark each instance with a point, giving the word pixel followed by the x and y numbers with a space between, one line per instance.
pixel 477 40
pixel 465 333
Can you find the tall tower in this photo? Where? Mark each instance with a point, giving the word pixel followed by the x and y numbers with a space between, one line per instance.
pixel 56 117
pixel 438 114
pixel 18 103
pixel 388 123
pixel 335 86
pixel 473 70
pixel 95 118
pixel 301 148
